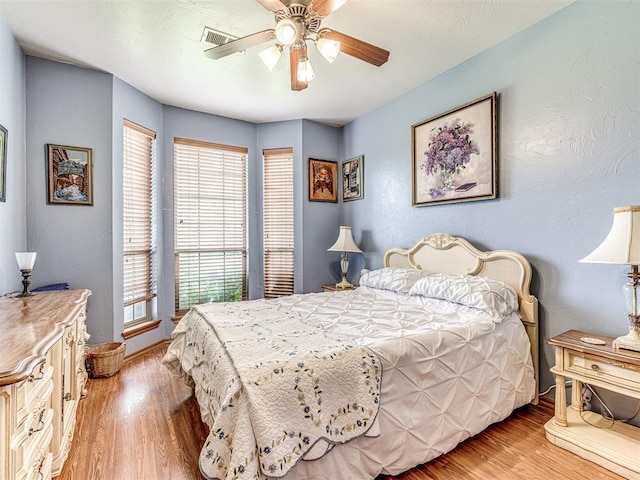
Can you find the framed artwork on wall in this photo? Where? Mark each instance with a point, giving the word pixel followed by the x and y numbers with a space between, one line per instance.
pixel 353 179
pixel 323 181
pixel 455 155
pixel 3 164
pixel 69 173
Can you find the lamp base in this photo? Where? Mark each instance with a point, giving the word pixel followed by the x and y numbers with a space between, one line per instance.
pixel 26 274
pixel 630 341
pixel 344 284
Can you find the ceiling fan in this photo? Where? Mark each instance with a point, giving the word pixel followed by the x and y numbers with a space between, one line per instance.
pixel 298 21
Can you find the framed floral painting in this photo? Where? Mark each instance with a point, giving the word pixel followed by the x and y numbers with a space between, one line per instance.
pixel 323 181
pixel 455 155
pixel 69 172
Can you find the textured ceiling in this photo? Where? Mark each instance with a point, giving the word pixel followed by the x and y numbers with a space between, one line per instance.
pixel 156 46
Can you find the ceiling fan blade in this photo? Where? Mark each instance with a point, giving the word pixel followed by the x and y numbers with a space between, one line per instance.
pixel 272 5
pixel 294 58
pixel 325 7
pixel 357 48
pixel 240 44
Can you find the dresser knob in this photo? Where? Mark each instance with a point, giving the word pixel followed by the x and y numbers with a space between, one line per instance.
pixel 595 367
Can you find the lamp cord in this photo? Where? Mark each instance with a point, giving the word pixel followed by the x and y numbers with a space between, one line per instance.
pixel 606 414
pixel 566 384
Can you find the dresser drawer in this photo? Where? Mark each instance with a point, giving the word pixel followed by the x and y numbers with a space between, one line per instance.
pixel 32 456
pixel 624 374
pixel 34 418
pixel 33 391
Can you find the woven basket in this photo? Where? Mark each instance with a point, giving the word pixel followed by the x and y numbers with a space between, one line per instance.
pixel 105 359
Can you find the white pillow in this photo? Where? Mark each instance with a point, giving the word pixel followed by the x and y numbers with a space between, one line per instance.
pixel 394 279
pixel 493 297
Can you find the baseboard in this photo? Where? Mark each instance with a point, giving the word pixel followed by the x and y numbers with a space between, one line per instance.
pixel 146 349
pixel 546 402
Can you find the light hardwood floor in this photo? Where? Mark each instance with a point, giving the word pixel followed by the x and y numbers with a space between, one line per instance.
pixel 143 424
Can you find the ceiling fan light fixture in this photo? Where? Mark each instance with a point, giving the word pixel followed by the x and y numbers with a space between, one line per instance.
pixel 305 72
pixel 329 49
pixel 270 56
pixel 287 31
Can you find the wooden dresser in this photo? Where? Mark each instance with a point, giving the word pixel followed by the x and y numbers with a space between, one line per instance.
pixel 42 378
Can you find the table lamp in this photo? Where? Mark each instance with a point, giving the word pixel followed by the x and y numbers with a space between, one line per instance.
pixel 26 260
pixel 344 244
pixel 622 247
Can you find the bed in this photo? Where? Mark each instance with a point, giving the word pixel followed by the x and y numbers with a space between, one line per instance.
pixel 431 349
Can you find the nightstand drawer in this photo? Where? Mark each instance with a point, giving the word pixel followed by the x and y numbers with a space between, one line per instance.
pixel 598 368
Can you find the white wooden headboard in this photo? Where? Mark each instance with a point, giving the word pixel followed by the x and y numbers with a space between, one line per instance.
pixel 442 253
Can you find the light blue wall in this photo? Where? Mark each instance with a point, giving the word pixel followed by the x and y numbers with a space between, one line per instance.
pixel 569 140
pixel 69 105
pixel 321 222
pixel 133 105
pixel 74 106
pixel 13 218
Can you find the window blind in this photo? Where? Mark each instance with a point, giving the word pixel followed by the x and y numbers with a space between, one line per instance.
pixel 138 218
pixel 210 192
pixel 278 223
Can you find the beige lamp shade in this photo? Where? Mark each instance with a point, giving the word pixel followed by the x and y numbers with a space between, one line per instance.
pixel 622 244
pixel 345 242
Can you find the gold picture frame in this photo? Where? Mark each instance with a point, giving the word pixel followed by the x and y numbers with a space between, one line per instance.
pixel 455 155
pixel 323 181
pixel 70 176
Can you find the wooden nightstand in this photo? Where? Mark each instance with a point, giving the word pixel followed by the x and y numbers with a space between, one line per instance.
pixel 615 447
pixel 332 288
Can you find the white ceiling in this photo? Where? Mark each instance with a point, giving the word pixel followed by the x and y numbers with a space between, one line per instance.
pixel 155 45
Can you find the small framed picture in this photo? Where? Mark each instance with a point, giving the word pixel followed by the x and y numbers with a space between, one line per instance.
pixel 352 179
pixel 69 172
pixel 323 181
pixel 3 164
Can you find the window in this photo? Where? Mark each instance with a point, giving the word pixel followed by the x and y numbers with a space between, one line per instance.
pixel 210 192
pixel 278 222
pixel 138 196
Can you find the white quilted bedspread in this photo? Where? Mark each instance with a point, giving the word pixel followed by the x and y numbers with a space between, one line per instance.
pixel 448 371
pixel 271 384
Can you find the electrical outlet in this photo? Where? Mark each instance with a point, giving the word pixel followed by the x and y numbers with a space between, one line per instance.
pixel 586 398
